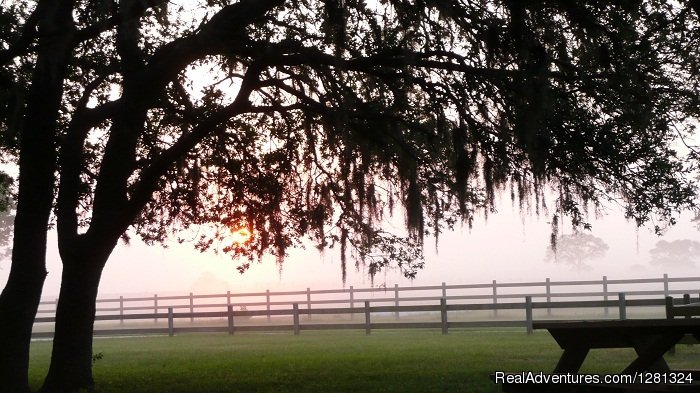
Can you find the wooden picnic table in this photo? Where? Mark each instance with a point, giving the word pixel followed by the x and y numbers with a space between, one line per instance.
pixel 651 339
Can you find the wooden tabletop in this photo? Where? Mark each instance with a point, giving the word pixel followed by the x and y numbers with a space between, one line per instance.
pixel 650 338
pixel 607 323
pixel 615 333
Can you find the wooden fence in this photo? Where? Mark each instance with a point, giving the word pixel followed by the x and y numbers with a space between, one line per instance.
pixel 547 295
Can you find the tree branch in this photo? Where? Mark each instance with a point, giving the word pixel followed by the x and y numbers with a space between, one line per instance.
pixel 137 9
pixel 150 176
pixel 71 163
pixel 283 54
pixel 29 33
pixel 223 33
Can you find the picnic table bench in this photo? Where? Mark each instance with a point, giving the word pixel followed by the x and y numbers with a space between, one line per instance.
pixel 650 338
pixel 687 310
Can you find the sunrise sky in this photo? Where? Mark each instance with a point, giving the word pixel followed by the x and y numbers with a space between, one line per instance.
pixel 506 247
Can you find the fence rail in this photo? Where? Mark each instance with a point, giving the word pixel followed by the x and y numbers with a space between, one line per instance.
pixel 296 326
pixel 526 296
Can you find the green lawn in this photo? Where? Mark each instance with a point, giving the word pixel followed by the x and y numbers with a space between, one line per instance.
pixel 337 361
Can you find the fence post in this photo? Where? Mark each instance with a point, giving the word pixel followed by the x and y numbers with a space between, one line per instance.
pixel 352 302
pixel 605 294
pixel 295 315
pixel 121 310
pixel 155 307
pixel 549 295
pixel 665 284
pixel 670 315
pixel 308 303
pixel 267 301
pixel 230 320
pixel 171 324
pixel 368 324
pixel 444 290
pixel 528 314
pixel 443 314
pixel 622 305
pixel 191 307
pixel 228 298
pixel 495 298
pixel 396 300
pixel 669 307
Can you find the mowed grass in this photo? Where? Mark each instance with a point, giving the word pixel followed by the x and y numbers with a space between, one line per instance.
pixel 335 361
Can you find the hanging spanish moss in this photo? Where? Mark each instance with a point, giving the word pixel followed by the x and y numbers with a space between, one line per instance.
pixel 427 111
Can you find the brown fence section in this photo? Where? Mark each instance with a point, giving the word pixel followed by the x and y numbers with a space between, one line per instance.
pixel 493 304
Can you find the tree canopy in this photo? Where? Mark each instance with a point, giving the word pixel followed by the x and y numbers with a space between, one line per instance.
pixel 677 253
pixel 316 119
pixel 319 116
pixel 576 250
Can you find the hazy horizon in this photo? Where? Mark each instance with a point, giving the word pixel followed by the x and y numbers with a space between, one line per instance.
pixel 508 247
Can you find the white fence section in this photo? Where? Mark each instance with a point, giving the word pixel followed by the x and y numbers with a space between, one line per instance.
pixel 507 304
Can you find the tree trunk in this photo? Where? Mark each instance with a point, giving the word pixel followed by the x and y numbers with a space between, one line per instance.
pixel 71 359
pixel 19 300
pixel 18 306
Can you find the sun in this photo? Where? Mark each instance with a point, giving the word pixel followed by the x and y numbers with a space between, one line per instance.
pixel 240 236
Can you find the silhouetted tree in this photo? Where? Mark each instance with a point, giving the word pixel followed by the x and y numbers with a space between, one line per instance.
pixel 36 41
pixel 319 118
pixel 576 249
pixel 678 253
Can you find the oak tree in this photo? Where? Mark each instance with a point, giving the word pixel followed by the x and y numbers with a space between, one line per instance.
pixel 576 250
pixel 676 253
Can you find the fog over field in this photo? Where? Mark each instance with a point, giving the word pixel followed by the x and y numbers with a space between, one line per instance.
pixel 505 247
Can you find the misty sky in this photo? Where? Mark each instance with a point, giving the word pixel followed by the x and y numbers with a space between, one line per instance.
pixel 507 247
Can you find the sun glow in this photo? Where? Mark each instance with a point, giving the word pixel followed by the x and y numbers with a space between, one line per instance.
pixel 240 236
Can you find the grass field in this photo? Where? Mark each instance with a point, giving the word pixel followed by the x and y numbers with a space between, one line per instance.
pixel 336 361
